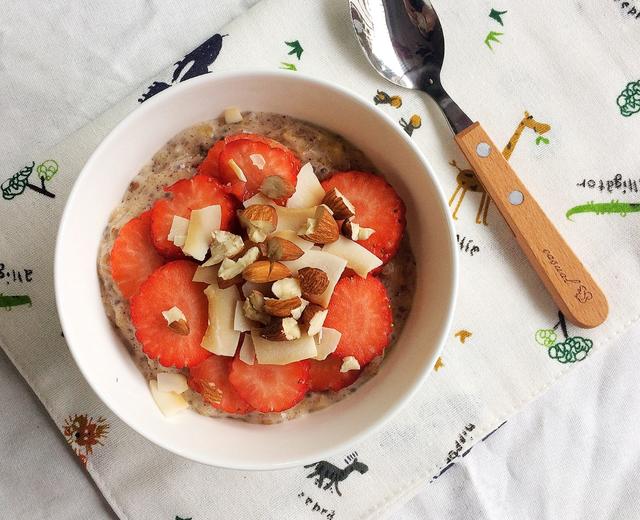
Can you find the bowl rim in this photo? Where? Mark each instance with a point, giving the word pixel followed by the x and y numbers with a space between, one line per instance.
pixel 252 74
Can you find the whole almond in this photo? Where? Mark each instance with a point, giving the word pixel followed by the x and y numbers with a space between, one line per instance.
pixel 264 271
pixel 281 308
pixel 257 272
pixel 313 281
pixel 325 228
pixel 339 204
pixel 278 248
pixel 275 187
pixel 180 327
pixel 259 213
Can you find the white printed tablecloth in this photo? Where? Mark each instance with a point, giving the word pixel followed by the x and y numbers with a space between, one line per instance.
pixel 499 65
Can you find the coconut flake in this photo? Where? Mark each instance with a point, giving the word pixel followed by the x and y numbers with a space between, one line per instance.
pixel 237 170
pixel 258 161
pixel 172 382
pixel 283 352
pixel 173 314
pixel 247 350
pixel 240 321
pixel 349 363
pixel 178 232
pixel 202 223
pixel 232 115
pixel 169 403
pixel 327 342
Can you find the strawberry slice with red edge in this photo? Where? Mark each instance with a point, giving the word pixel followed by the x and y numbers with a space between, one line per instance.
pixel 277 162
pixel 211 379
pixel 270 388
pixel 170 286
pixel 210 164
pixel 197 192
pixel 133 257
pixel 365 334
pixel 326 375
pixel 377 206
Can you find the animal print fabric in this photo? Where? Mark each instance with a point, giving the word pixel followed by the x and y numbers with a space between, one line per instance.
pixel 508 342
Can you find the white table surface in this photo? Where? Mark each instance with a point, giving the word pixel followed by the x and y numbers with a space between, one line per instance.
pixel 574 453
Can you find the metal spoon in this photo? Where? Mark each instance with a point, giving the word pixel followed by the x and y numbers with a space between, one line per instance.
pixel 404 42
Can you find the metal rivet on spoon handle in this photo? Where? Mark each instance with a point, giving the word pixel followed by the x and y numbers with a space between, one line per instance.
pixel 404 42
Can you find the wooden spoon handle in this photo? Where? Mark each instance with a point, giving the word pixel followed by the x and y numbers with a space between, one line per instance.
pixel 571 286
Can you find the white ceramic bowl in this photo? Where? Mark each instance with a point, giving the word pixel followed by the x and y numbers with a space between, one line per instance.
pixel 106 363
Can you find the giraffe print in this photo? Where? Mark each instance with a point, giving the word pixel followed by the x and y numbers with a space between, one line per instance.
pixel 467 181
pixel 527 122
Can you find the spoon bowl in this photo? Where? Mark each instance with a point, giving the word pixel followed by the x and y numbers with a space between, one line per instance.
pixel 404 41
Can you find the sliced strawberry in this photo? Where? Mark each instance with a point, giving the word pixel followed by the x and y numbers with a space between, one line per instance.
pixel 210 164
pixel 365 334
pixel 197 192
pixel 326 375
pixel 277 162
pixel 260 139
pixel 377 206
pixel 169 286
pixel 133 257
pixel 211 379
pixel 270 388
